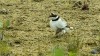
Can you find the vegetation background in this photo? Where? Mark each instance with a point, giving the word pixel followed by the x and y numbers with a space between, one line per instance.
pixel 30 35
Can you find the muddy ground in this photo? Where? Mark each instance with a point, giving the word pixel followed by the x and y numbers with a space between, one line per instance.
pixel 32 35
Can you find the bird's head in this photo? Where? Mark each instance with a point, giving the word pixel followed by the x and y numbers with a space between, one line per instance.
pixel 53 16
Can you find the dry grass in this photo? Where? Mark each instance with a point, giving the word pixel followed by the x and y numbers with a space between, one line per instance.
pixel 30 26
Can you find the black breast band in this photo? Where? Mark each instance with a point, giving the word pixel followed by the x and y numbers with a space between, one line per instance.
pixel 56 19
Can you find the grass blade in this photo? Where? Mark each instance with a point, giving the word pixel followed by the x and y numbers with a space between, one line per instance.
pixel 72 54
pixel 1 25
pixel 58 51
pixel 8 23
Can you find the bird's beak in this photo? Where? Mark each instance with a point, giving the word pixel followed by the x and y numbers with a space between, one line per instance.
pixel 50 16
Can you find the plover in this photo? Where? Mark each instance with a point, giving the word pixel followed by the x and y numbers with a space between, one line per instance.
pixel 58 24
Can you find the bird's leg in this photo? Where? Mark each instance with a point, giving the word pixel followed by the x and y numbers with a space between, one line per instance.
pixel 68 26
pixel 58 32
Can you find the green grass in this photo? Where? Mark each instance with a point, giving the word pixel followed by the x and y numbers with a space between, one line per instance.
pixel 73 46
pixel 4 48
pixel 1 25
pixel 6 24
pixel 72 54
pixel 58 51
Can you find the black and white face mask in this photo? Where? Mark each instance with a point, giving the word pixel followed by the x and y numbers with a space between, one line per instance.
pixel 54 17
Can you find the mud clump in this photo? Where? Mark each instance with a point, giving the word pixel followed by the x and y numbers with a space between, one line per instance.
pixel 85 7
pixel 82 5
pixel 17 42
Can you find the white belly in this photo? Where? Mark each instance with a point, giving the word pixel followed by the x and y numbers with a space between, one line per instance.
pixel 57 24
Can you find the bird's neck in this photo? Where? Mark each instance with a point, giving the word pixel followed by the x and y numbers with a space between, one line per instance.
pixel 56 19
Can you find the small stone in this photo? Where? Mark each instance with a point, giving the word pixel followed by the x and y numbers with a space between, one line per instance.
pixel 95 51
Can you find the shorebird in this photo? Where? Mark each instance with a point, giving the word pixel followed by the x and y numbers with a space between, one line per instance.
pixel 58 24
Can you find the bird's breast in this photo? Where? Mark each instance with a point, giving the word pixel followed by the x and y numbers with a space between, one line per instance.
pixel 53 25
pixel 57 24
